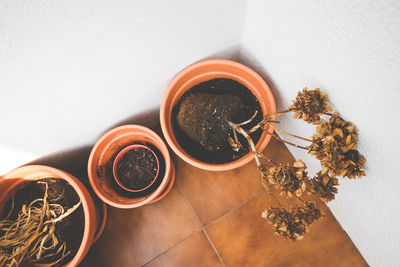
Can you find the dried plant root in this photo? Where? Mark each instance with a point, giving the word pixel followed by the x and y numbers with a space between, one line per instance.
pixel 30 238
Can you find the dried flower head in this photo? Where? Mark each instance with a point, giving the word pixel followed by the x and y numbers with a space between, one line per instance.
pixel 293 223
pixel 335 145
pixel 310 105
pixel 324 186
pixel 349 164
pixel 288 179
pixel 316 147
pixel 343 132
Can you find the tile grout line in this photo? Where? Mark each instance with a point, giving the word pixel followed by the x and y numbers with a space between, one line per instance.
pixel 201 225
pixel 202 228
pixel 213 246
pixel 190 206
pixel 235 208
pixel 174 246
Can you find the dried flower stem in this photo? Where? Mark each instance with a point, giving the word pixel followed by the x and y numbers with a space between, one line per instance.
pixel 261 155
pixel 299 198
pixel 284 132
pixel 287 142
pixel 275 114
pixel 240 130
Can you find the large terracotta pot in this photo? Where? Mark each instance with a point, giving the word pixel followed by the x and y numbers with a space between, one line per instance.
pixel 100 170
pixel 94 223
pixel 203 71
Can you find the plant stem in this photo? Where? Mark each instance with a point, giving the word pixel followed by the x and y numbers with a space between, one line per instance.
pixel 293 135
pixel 275 114
pixel 256 157
pixel 66 214
pixel 299 198
pixel 247 121
pixel 261 155
pixel 287 142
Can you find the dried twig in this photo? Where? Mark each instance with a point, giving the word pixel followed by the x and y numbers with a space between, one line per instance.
pixel 30 237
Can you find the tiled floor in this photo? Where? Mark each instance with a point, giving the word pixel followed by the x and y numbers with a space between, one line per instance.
pixel 213 219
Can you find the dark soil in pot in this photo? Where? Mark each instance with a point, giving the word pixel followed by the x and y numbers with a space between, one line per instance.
pixel 70 229
pixel 200 119
pixel 106 170
pixel 137 168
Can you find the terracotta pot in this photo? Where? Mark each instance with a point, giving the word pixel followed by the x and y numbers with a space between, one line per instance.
pixel 101 174
pixel 207 70
pixel 16 179
pixel 118 158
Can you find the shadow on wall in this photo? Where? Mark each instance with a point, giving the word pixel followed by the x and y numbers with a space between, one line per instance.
pixel 247 59
pixel 75 160
pixel 232 53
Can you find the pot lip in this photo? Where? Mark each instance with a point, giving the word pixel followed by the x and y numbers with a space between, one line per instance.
pixel 168 187
pixel 261 144
pixel 159 144
pixel 118 158
pixel 102 226
pixel 79 189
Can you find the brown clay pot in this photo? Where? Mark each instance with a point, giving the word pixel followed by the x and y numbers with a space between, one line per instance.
pixel 94 224
pixel 203 71
pixel 101 161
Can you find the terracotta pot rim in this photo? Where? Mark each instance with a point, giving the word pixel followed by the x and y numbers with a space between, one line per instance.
pixel 262 142
pixel 118 158
pixel 160 146
pixel 100 230
pixel 168 187
pixel 79 189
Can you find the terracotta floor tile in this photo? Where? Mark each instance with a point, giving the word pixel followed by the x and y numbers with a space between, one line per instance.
pixel 193 252
pixel 134 237
pixel 243 238
pixel 212 194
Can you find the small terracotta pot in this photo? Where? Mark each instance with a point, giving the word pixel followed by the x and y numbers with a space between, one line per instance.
pixel 207 70
pixel 100 167
pixel 118 158
pixel 16 179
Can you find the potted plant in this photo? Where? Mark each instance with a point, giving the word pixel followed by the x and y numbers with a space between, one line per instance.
pixel 48 218
pixel 130 166
pixel 243 87
pixel 201 109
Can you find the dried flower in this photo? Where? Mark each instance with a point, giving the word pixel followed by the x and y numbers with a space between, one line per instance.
pixel 310 105
pixel 354 162
pixel 316 147
pixel 335 145
pixel 324 186
pixel 343 132
pixel 293 223
pixel 289 179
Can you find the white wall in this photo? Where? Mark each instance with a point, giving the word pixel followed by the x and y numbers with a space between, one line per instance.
pixel 350 49
pixel 69 70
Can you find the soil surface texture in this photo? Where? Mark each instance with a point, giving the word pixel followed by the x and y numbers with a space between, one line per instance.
pixel 137 168
pixel 201 116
